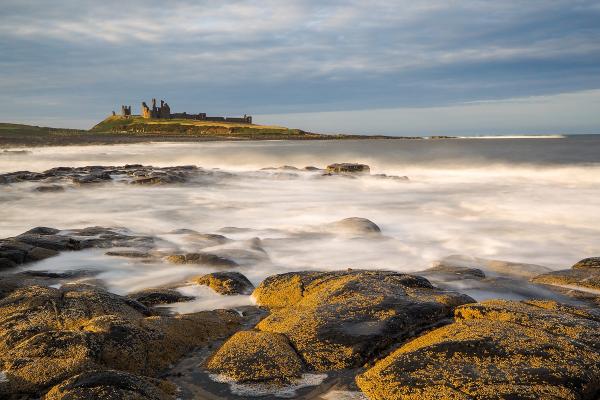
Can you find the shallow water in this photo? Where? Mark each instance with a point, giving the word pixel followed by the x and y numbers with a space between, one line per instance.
pixel 533 201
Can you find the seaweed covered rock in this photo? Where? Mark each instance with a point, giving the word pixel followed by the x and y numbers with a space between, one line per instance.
pixel 253 356
pixel 338 320
pixel 227 283
pixel 496 349
pixel 48 335
pixel 584 275
pixel 111 385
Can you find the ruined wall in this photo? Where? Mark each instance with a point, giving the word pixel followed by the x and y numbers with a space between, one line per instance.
pixel 164 112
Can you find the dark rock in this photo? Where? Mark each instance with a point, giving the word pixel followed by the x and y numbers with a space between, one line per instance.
pixel 111 385
pixel 128 254
pixel 42 230
pixel 227 283
pixel 153 297
pixel 6 263
pixel 49 188
pixel 53 242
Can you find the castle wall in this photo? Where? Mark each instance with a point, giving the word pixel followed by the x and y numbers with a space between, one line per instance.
pixel 164 112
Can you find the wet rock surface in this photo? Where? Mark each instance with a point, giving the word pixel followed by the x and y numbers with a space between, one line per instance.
pixel 48 335
pixel 583 276
pixel 111 385
pixel 226 283
pixel 42 242
pixel 132 173
pixel 208 259
pixel 496 349
pixel 152 297
pixel 254 356
pixel 337 320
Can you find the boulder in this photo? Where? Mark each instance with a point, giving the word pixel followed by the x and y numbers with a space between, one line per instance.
pixel 348 168
pixel 252 356
pixel 48 335
pixel 496 349
pixel 355 226
pixel 111 385
pixel 207 259
pixel 341 319
pixel 153 297
pixel 227 283
pixel 443 272
pixel 128 254
pixel 584 276
pixel 49 188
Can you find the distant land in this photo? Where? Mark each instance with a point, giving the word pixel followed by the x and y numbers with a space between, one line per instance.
pixel 136 129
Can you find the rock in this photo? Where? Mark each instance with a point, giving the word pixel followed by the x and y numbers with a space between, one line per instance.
pixel 49 188
pixel 42 230
pixel 111 385
pixel 496 267
pixel 584 276
pixel 48 335
pixel 354 226
pixel 208 259
pixel 251 356
pixel 153 297
pixel 227 283
pixel 94 177
pixel 20 252
pixel 52 242
pixel 128 254
pixel 496 349
pixel 587 263
pixel 7 263
pixel 445 272
pixel 341 319
pixel 348 168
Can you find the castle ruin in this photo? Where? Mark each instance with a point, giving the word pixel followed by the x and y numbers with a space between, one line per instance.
pixel 164 112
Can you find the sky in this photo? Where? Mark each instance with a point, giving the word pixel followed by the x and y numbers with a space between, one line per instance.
pixel 376 67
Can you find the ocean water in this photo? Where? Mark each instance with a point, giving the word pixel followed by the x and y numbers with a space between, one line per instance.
pixel 534 201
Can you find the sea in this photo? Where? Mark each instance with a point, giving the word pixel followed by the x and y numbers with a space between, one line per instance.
pixel 529 200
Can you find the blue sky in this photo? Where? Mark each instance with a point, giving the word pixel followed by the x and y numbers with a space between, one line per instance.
pixel 393 67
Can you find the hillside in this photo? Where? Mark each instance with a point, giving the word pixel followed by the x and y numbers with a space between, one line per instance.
pixel 135 125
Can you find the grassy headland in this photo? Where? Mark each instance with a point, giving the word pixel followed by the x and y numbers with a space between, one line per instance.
pixel 135 129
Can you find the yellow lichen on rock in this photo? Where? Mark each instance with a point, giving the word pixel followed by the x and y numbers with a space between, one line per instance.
pixel 338 320
pixel 495 349
pixel 252 356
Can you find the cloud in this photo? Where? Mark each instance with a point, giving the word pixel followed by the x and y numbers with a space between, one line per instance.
pixel 270 56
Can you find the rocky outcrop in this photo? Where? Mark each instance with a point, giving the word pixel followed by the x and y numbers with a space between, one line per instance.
pixel 43 242
pixel 111 385
pixel 348 168
pixel 253 356
pixel 337 320
pixel 496 349
pixel 96 174
pixel 583 276
pixel 48 335
pixel 156 296
pixel 207 259
pixel 226 283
